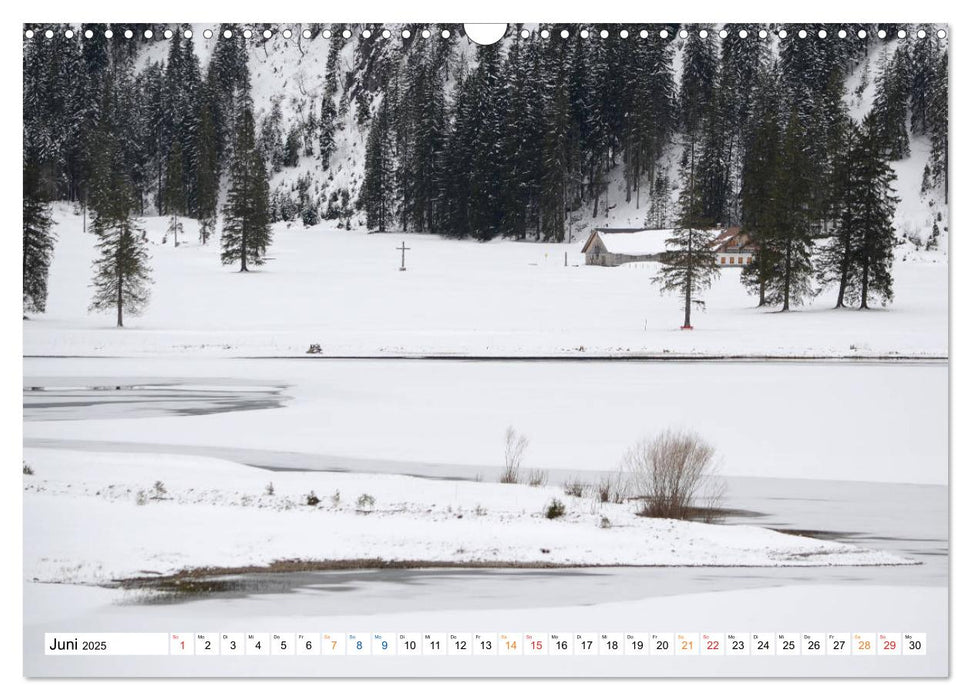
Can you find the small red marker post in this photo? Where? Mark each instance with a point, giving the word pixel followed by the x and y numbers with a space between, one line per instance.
pixel 687 328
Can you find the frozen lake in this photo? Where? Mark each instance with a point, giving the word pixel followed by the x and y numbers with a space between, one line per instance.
pixel 855 452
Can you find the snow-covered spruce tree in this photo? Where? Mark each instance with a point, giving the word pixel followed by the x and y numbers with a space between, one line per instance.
pixel 377 189
pixel 246 231
pixel 207 177
pixel 688 265
pixel 121 271
pixel 891 101
pixel 938 125
pixel 174 195
pixel 38 242
pixel 789 241
pixel 860 257
pixel 328 124
pixel 760 168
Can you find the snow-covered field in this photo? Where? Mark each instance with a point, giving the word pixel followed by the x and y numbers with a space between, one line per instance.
pixel 343 291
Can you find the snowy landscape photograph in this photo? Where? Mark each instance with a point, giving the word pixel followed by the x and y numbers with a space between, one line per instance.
pixel 362 334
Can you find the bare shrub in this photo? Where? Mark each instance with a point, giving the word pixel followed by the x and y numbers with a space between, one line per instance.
pixel 28 471
pixel 538 477
pixel 516 444
pixel 672 474
pixel 312 499
pixel 269 490
pixel 365 502
pixel 611 489
pixel 575 487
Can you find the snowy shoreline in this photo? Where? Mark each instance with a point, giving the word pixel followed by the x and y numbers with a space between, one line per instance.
pixel 97 518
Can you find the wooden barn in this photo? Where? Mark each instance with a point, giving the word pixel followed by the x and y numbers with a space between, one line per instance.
pixel 609 247
pixel 733 248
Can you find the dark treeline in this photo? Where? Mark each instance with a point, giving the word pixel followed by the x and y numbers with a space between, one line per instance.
pixel 513 140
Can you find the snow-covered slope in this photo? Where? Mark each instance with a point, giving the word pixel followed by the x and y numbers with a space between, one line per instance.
pixel 291 72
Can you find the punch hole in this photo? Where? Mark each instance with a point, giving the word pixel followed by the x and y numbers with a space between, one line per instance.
pixel 487 34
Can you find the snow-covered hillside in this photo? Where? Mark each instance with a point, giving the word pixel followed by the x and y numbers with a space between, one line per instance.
pixel 291 72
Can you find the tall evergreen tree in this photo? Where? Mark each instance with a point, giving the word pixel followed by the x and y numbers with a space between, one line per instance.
pixel 760 173
pixel 890 103
pixel 859 258
pixel 377 190
pixel 38 242
pixel 207 176
pixel 246 231
pixel 789 245
pixel 175 200
pixel 121 271
pixel 939 125
pixel 688 266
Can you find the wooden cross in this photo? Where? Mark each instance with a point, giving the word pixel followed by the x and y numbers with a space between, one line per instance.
pixel 402 249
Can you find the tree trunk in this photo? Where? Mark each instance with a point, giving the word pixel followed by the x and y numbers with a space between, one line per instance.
pixel 865 285
pixel 844 273
pixel 242 257
pixel 788 278
pixel 121 320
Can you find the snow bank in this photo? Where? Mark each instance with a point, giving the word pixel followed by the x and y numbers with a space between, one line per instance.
pixel 92 518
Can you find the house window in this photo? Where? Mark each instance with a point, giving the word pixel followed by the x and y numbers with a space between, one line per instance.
pixel 723 260
pixel 731 261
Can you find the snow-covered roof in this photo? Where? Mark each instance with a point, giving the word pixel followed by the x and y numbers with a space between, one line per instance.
pixel 636 242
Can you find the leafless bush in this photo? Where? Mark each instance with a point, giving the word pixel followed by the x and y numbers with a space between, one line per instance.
pixel 575 487
pixel 611 489
pixel 673 473
pixel 516 444
pixel 538 477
